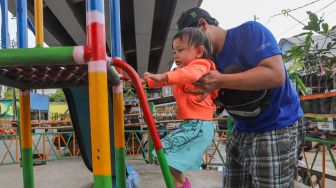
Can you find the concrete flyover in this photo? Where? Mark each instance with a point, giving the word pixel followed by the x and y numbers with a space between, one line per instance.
pixel 147 28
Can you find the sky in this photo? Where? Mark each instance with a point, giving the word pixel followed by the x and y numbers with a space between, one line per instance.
pixel 12 31
pixel 232 13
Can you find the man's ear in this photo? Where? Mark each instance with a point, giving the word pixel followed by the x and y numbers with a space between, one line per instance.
pixel 202 24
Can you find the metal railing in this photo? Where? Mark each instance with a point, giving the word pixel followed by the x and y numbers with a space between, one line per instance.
pixel 46 146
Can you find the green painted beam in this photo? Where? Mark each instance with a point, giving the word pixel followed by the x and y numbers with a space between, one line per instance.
pixel 37 56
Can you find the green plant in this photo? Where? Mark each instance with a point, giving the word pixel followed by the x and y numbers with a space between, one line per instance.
pixel 311 56
pixel 129 91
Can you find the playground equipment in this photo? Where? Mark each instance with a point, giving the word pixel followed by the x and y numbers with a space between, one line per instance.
pixel 73 68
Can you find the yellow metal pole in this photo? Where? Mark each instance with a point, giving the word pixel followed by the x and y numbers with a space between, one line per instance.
pixel 100 137
pixel 98 94
pixel 119 136
pixel 39 36
pixel 26 139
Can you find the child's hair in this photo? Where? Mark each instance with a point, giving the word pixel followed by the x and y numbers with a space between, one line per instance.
pixel 196 38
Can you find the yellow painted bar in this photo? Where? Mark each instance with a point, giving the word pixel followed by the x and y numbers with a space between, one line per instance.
pixel 100 137
pixel 118 110
pixel 25 124
pixel 38 8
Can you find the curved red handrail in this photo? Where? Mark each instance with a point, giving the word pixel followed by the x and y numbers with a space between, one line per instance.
pixel 142 99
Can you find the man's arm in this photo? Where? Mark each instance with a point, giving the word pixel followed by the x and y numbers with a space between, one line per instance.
pixel 269 73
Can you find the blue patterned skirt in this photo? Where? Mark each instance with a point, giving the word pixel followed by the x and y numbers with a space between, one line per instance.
pixel 184 148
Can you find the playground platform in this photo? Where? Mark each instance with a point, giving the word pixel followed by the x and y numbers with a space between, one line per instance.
pixel 72 173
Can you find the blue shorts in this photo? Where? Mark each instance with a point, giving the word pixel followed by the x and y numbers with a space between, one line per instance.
pixel 184 148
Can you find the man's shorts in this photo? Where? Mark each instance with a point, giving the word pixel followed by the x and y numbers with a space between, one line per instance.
pixel 184 148
pixel 262 159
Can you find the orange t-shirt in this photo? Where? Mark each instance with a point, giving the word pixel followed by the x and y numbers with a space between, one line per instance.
pixel 182 79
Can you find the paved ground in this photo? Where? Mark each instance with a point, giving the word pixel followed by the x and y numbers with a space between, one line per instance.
pixel 330 169
pixel 73 174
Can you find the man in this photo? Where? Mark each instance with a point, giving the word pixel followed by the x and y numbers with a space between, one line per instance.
pixel 262 150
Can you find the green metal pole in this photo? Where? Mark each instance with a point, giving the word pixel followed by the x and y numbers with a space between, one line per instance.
pixel 113 76
pixel 326 142
pixel 151 146
pixel 37 56
pixel 331 156
pixel 312 165
pixel 165 169
pixel 229 124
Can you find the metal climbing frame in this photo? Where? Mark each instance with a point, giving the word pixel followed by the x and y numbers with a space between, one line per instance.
pixel 59 67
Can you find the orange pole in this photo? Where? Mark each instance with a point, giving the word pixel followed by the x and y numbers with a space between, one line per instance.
pixel 323 165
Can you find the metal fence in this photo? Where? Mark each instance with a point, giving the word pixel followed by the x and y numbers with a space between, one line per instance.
pixel 48 144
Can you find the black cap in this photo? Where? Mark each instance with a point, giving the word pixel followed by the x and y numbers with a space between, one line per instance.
pixel 190 18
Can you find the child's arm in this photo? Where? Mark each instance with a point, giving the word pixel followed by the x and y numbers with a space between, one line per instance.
pixel 156 77
pixel 155 80
pixel 181 76
pixel 190 73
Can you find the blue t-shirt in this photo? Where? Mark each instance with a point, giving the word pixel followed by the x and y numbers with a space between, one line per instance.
pixel 245 46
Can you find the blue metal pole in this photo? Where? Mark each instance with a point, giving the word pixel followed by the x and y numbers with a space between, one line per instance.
pixel 118 100
pixel 115 29
pixel 25 126
pixel 31 25
pixel 22 34
pixel 4 24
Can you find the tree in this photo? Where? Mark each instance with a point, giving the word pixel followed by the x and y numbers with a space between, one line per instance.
pixel 58 96
pixel 9 93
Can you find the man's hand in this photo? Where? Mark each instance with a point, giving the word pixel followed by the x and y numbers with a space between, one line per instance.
pixel 207 84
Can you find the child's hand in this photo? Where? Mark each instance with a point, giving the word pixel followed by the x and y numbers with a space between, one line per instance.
pixel 146 75
pixel 143 81
pixel 155 77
